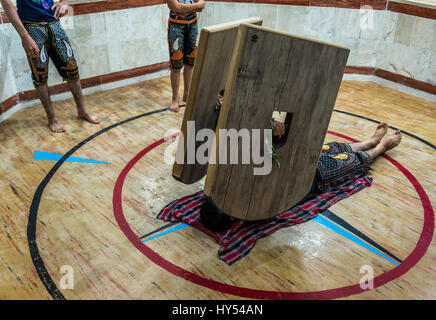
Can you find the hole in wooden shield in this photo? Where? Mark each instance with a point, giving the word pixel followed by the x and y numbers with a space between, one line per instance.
pixel 286 119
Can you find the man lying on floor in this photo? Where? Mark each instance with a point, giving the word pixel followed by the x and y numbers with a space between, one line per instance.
pixel 341 171
pixel 338 162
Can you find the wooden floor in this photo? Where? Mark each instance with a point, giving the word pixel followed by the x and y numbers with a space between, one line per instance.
pixel 76 224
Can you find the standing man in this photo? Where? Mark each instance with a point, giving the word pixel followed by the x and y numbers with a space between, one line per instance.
pixel 182 42
pixel 42 36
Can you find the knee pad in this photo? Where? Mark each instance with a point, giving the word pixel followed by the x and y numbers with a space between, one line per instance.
pixel 177 60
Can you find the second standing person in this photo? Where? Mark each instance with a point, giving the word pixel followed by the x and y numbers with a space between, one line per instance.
pixel 182 42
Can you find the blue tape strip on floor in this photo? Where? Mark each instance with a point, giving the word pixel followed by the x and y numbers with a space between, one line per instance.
pixel 319 219
pixel 42 155
pixel 328 224
pixel 178 227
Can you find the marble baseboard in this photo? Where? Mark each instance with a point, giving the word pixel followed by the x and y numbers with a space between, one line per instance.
pixel 15 105
pixel 29 99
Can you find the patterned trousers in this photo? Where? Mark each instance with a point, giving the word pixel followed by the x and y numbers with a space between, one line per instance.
pixel 52 42
pixel 337 163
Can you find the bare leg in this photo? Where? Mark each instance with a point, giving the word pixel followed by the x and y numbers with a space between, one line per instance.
pixel 372 142
pixel 76 90
pixel 389 142
pixel 53 122
pixel 175 83
pixel 187 76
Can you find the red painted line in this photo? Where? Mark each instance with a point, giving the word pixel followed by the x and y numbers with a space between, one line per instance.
pixel 342 136
pixel 416 255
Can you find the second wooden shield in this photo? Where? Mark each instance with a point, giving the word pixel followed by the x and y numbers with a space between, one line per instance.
pixel 211 67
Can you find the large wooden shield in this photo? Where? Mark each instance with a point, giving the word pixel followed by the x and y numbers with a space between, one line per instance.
pixel 210 71
pixel 273 71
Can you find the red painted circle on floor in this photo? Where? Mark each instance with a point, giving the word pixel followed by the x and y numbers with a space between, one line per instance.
pixel 416 255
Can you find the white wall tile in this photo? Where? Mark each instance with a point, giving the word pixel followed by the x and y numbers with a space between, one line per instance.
pixel 123 39
pixel 424 35
pixel 432 71
pixel 292 19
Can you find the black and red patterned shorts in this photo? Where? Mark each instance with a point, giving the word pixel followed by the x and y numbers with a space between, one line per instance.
pixel 52 42
pixel 182 40
pixel 338 162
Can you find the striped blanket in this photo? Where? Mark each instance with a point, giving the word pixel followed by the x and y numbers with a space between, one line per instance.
pixel 241 236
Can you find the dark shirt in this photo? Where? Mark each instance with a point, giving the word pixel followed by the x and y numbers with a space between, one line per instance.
pixel 35 10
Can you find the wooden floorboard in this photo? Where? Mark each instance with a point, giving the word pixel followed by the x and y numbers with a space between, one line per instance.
pixel 76 224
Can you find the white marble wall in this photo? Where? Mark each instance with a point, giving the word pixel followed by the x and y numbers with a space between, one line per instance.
pixel 411 48
pixel 102 42
pixel 398 43
pixel 7 79
pixel 124 39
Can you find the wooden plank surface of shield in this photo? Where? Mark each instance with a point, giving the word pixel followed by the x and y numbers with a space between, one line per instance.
pixel 273 71
pixel 210 71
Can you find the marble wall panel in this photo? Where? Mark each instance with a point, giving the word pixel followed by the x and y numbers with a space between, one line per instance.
pixel 119 40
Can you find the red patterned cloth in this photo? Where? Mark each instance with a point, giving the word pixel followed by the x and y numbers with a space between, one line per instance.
pixel 241 236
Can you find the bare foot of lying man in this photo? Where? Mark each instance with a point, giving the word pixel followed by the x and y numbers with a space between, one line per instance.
pixel 389 142
pixel 337 163
pixel 370 143
pixel 392 140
